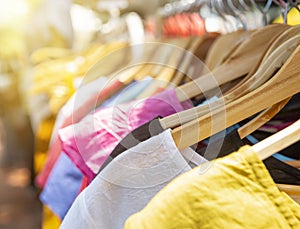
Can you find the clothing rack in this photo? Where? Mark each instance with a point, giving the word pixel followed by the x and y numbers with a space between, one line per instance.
pixel 235 8
pixel 124 135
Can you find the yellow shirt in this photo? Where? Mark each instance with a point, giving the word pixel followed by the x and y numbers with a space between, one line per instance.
pixel 293 18
pixel 50 220
pixel 42 140
pixel 231 192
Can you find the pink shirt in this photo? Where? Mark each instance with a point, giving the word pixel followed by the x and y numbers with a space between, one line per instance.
pixel 74 117
pixel 89 142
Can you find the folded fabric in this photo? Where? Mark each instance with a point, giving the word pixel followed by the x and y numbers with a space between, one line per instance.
pixel 41 142
pixel 59 198
pixel 138 135
pixel 89 142
pixel 55 148
pixel 66 181
pixel 50 220
pixel 128 183
pixel 235 191
pixel 76 101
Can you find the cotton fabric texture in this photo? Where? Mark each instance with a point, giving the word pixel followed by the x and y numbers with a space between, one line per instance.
pixel 129 182
pixel 138 135
pixel 89 142
pixel 231 192
pixel 66 181
pixel 55 148
pixel 62 186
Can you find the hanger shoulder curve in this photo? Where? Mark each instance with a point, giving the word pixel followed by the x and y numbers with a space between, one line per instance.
pixel 261 119
pixel 278 141
pixel 248 52
pixel 217 54
pixel 264 117
pixel 282 85
pixel 273 62
pixel 203 43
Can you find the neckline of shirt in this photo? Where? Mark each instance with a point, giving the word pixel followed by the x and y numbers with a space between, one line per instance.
pixel 165 163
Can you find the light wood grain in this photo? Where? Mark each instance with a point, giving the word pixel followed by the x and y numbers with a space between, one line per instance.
pixel 268 114
pixel 237 65
pixel 165 68
pixel 292 190
pixel 283 84
pixel 223 47
pixel 201 44
pixel 266 70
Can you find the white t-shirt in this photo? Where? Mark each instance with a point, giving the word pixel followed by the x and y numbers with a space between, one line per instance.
pixel 129 182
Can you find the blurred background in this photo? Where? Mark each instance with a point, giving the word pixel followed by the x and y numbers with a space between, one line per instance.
pixel 34 32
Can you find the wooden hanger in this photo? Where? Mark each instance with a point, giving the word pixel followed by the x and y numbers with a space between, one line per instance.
pixel 274 43
pixel 52 72
pixel 165 70
pixel 164 54
pixel 147 65
pixel 114 55
pixel 223 47
pixel 168 71
pixel 261 119
pixel 130 73
pixel 266 70
pixel 118 80
pixel 151 54
pixel 268 114
pixel 276 143
pixel 140 69
pixel 292 190
pixel 248 52
pixel 234 85
pixel 295 163
pixel 198 49
pixel 179 75
pixel 126 76
pixel 291 35
pixel 161 54
pixel 282 85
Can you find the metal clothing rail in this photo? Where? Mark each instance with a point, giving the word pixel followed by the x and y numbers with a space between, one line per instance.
pixel 235 8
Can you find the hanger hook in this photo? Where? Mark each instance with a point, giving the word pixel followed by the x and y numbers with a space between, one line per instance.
pixel 263 10
pixel 217 9
pixel 284 8
pixel 244 5
pixel 238 14
pixel 220 9
pixel 227 10
pixel 294 4
pixel 246 8
pixel 214 7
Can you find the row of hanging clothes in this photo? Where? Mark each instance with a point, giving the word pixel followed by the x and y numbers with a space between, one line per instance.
pixel 192 132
